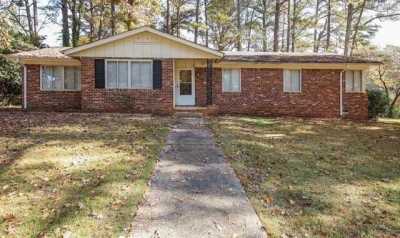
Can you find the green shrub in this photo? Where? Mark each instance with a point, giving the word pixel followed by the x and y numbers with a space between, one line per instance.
pixel 377 103
pixel 396 112
pixel 10 81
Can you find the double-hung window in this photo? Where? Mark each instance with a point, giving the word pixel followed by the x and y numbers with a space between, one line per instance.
pixel 231 80
pixel 354 81
pixel 129 74
pixel 292 80
pixel 60 78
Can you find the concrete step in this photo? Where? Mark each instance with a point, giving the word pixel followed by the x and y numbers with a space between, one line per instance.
pixel 188 114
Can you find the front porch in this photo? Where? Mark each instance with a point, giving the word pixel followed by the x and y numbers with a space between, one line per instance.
pixel 192 85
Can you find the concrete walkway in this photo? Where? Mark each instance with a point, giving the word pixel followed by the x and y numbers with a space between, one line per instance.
pixel 194 192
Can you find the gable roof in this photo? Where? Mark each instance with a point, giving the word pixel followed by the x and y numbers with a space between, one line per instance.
pixel 285 57
pixel 137 31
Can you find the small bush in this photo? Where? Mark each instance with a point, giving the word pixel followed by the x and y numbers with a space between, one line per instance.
pixel 10 82
pixel 377 103
pixel 396 112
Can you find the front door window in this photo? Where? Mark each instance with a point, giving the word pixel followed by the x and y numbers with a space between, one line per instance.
pixel 185 92
pixel 185 83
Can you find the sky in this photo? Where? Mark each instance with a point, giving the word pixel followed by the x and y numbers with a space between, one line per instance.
pixel 388 34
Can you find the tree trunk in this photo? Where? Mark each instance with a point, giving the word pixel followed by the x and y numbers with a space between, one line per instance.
pixel 288 27
pixel 112 17
pixel 393 103
pixel 75 7
pixel 328 27
pixel 283 32
pixel 35 20
pixel 316 19
pixel 276 25
pixel 264 25
pixel 319 37
pixel 65 25
pixel 79 18
pixel 168 18
pixel 294 19
pixel 250 30
pixel 100 30
pixel 238 26
pixel 178 21
pixel 356 27
pixel 29 19
pixel 196 27
pixel 91 22
pixel 206 21
pixel 348 28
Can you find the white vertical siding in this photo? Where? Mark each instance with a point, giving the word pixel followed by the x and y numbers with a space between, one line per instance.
pixel 144 45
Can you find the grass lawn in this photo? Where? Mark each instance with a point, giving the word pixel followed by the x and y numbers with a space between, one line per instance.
pixel 309 178
pixel 79 174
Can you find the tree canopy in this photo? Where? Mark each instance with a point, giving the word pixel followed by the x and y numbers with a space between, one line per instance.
pixel 340 26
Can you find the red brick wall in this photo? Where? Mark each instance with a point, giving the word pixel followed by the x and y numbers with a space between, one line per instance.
pixel 262 94
pixel 355 106
pixel 127 100
pixel 48 100
pixel 200 87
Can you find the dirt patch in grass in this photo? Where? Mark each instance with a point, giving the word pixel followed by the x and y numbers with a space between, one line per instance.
pixel 309 178
pixel 71 173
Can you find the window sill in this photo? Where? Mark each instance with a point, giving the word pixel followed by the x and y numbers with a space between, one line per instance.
pixel 125 89
pixel 293 92
pixel 60 90
pixel 231 91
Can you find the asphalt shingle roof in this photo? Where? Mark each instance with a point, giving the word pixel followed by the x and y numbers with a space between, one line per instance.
pixel 233 56
pixel 49 53
pixel 284 57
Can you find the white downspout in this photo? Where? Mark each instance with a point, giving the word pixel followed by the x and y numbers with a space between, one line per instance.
pixel 25 88
pixel 341 93
pixel 173 84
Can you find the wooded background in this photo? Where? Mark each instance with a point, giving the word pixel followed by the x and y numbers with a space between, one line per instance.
pixel 340 26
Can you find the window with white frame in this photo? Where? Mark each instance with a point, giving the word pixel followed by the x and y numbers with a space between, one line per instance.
pixel 354 81
pixel 129 74
pixel 60 78
pixel 292 80
pixel 231 80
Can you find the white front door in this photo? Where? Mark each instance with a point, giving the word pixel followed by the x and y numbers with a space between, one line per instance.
pixel 185 91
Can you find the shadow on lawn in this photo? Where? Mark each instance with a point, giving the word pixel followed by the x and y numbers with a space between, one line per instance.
pixel 71 191
pixel 305 177
pixel 340 152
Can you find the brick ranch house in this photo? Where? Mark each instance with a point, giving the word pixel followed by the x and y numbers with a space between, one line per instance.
pixel 147 71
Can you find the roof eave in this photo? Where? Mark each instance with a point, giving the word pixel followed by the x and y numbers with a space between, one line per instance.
pixel 31 60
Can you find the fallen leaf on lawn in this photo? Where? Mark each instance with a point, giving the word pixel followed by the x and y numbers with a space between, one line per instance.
pixel 268 200
pixel 9 217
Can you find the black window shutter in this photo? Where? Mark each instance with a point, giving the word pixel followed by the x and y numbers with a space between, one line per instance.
pixel 99 73
pixel 157 74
